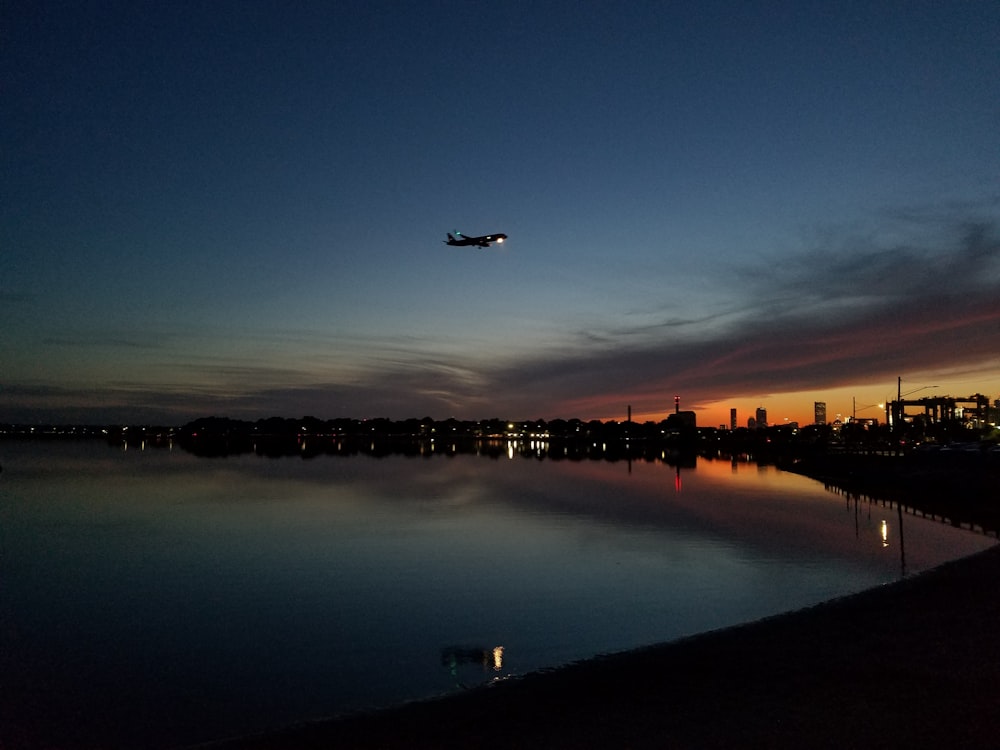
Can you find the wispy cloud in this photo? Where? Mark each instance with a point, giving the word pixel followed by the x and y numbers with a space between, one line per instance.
pixel 829 317
pixel 101 342
pixel 850 309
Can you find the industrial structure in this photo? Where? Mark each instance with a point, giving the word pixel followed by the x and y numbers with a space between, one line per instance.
pixel 972 410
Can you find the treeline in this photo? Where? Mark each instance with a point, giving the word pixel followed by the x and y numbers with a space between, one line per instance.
pixel 311 436
pixel 431 428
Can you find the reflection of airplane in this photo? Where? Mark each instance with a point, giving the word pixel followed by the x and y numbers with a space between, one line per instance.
pixel 459 239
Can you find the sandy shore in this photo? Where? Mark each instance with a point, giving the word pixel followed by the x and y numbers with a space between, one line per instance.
pixel 913 664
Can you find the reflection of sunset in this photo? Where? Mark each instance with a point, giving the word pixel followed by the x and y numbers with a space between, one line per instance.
pixel 751 503
pixel 443 556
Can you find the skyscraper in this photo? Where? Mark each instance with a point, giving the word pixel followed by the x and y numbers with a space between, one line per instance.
pixel 819 412
pixel 761 417
pixel 732 419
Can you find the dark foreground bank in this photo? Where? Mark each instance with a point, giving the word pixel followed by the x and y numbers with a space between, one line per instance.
pixel 914 664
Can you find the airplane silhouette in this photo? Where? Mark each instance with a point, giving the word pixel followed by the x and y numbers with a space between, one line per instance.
pixel 460 240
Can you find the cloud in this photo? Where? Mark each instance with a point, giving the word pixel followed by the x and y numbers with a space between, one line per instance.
pixel 101 343
pixel 847 310
pixel 832 316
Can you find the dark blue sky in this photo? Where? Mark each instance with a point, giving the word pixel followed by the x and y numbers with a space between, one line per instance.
pixel 237 208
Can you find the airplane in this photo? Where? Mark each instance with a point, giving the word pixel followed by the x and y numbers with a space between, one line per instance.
pixel 460 240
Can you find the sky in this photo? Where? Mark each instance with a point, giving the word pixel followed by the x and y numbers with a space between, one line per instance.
pixel 237 208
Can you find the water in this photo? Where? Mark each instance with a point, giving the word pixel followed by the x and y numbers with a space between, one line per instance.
pixel 154 598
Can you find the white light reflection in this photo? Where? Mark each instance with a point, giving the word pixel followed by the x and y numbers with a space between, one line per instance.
pixel 885 534
pixel 497 658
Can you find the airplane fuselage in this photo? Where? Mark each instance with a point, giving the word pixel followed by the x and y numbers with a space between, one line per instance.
pixel 460 240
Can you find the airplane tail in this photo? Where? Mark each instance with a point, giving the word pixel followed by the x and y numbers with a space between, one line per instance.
pixel 450 238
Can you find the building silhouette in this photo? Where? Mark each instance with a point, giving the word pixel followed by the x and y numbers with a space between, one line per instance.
pixel 761 417
pixel 819 412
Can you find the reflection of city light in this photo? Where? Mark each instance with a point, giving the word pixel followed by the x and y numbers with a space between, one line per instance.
pixel 497 658
pixel 539 447
pixel 510 449
pixel 885 534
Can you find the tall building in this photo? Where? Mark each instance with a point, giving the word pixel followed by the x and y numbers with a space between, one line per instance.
pixel 732 419
pixel 819 411
pixel 761 417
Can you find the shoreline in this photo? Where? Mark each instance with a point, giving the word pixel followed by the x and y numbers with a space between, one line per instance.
pixel 960 487
pixel 914 663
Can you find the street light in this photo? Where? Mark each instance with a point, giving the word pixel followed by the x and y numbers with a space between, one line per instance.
pixel 854 404
pixel 921 388
pixel 899 397
pixel 899 389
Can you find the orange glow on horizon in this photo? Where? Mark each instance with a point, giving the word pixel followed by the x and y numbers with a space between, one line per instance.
pixel 865 401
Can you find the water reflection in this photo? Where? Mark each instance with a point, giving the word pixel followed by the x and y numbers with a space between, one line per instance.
pixel 902 547
pixel 278 589
pixel 489 660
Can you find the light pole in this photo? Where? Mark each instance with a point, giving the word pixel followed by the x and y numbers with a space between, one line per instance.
pixel 899 389
pixel 898 416
pixel 854 403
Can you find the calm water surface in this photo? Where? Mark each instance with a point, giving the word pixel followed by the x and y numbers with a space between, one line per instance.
pixel 154 598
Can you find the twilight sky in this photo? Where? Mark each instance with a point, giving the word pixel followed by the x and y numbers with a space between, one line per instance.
pixel 236 208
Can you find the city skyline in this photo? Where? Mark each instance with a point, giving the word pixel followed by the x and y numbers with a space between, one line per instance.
pixel 939 407
pixel 238 210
